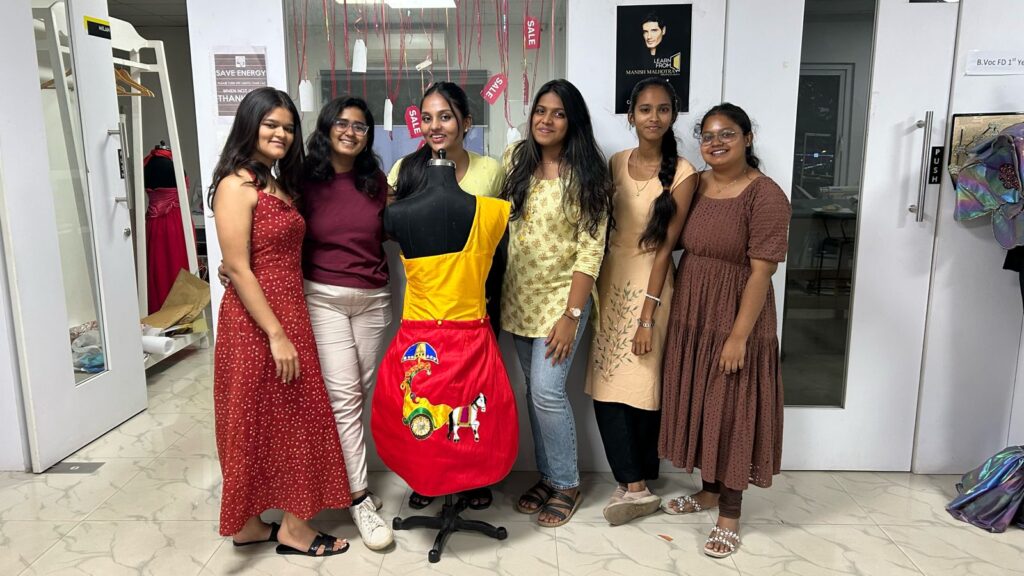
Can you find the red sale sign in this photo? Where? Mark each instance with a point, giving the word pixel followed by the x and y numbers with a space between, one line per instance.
pixel 531 33
pixel 494 87
pixel 412 121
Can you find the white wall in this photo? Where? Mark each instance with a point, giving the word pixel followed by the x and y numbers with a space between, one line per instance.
pixel 179 70
pixel 212 25
pixel 762 74
pixel 973 337
pixel 845 39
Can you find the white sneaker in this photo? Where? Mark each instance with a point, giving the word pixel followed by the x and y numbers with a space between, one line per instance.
pixel 376 534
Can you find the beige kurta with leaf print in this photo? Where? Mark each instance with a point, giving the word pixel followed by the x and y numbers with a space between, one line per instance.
pixel 614 373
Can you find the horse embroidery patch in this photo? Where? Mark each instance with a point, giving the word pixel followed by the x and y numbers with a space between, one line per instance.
pixel 423 417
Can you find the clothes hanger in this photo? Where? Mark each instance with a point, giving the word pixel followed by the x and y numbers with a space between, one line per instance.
pixel 122 75
pixel 51 83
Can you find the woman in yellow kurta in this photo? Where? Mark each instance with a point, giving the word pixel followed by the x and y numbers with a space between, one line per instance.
pixel 559 187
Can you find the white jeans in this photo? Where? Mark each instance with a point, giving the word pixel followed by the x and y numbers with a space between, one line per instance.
pixel 349 325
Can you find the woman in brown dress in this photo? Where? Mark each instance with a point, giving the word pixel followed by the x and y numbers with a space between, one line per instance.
pixel 722 391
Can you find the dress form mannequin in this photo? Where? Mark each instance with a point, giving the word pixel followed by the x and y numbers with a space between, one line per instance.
pixel 166 254
pixel 436 221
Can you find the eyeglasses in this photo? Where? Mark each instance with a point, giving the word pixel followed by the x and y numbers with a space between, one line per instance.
pixel 724 136
pixel 343 125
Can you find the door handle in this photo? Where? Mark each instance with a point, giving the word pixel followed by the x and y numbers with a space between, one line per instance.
pixel 922 186
pixel 128 198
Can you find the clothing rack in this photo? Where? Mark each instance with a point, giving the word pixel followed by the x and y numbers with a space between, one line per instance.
pixel 125 38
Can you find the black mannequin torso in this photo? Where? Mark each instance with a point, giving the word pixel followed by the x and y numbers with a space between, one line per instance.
pixel 435 220
pixel 159 173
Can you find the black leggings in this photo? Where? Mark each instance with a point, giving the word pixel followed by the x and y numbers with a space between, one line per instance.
pixel 729 501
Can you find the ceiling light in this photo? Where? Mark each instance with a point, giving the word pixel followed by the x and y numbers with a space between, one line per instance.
pixel 405 3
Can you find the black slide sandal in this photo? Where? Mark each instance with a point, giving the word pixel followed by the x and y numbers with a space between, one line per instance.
pixel 325 540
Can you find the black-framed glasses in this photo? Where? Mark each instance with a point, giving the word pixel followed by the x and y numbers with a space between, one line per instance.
pixel 343 125
pixel 724 136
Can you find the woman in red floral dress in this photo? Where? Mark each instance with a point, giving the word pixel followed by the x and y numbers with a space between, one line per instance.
pixel 276 436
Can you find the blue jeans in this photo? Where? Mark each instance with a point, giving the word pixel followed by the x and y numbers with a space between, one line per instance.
pixel 551 418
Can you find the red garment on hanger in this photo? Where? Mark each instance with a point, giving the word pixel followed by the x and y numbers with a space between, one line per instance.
pixel 165 239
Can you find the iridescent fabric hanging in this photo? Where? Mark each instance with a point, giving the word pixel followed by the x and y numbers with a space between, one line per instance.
pixel 990 183
pixel 991 495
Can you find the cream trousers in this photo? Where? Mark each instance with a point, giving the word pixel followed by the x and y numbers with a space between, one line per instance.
pixel 349 325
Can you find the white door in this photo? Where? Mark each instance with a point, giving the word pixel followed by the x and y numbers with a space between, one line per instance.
pixel 75 393
pixel 866 258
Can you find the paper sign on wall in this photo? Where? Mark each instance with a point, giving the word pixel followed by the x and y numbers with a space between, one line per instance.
pixel 531 33
pixel 412 122
pixel 494 87
pixel 995 62
pixel 236 73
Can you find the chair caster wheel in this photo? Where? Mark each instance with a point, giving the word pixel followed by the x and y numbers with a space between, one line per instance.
pixel 434 556
pixel 502 533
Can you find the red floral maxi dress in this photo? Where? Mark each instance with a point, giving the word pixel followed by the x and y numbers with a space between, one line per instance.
pixel 728 425
pixel 277 442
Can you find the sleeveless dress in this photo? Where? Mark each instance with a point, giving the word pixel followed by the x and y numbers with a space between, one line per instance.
pixel 444 417
pixel 277 442
pixel 165 244
pixel 728 425
pixel 614 373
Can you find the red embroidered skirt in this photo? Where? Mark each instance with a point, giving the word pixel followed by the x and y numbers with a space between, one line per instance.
pixel 444 417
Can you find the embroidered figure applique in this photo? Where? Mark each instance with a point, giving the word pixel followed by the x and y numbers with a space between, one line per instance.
pixel 423 417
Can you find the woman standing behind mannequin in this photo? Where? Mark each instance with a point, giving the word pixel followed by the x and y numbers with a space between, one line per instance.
pixel 445 120
pixel 276 438
pixel 653 190
pixel 722 395
pixel 346 282
pixel 560 190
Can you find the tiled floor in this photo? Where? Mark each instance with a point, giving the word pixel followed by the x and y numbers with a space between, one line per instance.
pixel 152 509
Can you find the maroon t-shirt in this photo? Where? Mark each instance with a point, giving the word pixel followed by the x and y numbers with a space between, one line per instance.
pixel 344 233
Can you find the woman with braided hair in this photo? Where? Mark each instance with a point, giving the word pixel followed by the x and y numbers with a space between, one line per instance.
pixel 653 189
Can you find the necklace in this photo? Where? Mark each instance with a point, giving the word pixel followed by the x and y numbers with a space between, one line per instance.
pixel 636 164
pixel 726 187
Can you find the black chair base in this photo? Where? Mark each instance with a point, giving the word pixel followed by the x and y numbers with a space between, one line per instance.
pixel 447 522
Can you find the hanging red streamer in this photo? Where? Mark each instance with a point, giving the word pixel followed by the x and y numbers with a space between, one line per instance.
pixel 300 51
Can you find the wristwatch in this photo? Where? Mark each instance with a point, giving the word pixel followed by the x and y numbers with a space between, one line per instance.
pixel 573 313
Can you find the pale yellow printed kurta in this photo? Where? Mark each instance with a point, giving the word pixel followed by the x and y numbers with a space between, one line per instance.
pixel 544 251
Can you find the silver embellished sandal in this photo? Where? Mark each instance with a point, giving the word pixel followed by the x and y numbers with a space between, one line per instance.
pixel 728 538
pixel 686 504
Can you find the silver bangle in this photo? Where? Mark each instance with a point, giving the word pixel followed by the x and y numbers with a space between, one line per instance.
pixel 650 296
pixel 642 324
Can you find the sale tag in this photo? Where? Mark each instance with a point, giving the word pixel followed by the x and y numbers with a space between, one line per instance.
pixel 531 33
pixel 494 87
pixel 412 122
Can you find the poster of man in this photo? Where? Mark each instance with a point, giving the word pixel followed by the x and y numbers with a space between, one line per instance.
pixel 652 41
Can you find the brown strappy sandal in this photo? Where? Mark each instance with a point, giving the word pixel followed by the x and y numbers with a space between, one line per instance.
pixel 536 495
pixel 561 506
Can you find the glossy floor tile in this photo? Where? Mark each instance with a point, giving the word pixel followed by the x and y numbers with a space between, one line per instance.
pixel 152 509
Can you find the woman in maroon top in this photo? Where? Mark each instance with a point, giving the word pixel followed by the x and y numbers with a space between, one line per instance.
pixel 346 281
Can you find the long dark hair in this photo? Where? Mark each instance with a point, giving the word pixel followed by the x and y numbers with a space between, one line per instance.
pixel 588 184
pixel 664 205
pixel 241 144
pixel 412 173
pixel 740 117
pixel 318 166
